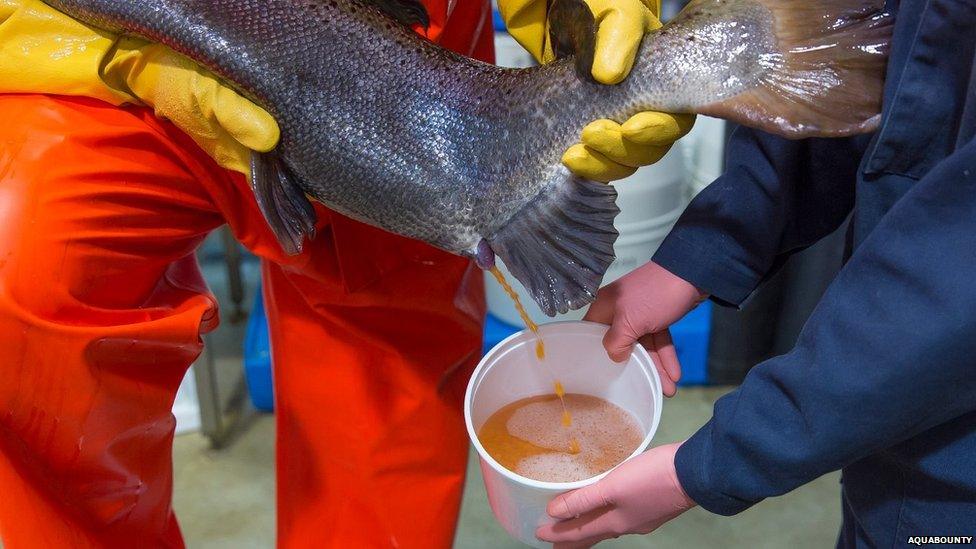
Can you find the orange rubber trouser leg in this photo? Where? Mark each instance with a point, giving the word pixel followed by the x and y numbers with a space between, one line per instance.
pixel 101 305
pixel 372 447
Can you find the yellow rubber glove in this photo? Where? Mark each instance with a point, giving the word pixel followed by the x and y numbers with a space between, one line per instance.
pixel 45 51
pixel 607 150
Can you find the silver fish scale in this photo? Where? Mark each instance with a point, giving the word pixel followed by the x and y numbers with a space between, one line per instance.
pixel 389 129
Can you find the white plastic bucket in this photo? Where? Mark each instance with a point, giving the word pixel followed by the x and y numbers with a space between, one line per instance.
pixel 705 153
pixel 510 372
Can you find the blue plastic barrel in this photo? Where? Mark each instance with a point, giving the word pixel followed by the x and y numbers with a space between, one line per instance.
pixel 691 336
pixel 498 22
pixel 257 357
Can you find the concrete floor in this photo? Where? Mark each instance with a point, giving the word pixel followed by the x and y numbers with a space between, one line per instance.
pixel 225 499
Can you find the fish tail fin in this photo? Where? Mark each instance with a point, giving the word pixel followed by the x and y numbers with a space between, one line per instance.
pixel 560 245
pixel 827 78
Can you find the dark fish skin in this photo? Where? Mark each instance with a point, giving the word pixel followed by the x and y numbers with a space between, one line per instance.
pixel 388 128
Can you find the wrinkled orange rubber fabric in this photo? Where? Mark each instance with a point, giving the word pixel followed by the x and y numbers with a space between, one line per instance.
pixel 101 309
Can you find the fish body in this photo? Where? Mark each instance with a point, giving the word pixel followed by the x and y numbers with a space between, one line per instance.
pixel 390 129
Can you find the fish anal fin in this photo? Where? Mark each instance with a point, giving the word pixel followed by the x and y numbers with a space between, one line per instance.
pixel 560 245
pixel 572 31
pixel 282 201
pixel 406 12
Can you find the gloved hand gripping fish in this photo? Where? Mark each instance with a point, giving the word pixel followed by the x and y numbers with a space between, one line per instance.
pixel 386 127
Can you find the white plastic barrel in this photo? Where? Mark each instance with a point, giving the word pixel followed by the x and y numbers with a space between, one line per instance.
pixel 704 153
pixel 510 372
pixel 509 53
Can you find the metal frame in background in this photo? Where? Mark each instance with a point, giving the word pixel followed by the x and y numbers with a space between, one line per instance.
pixel 221 421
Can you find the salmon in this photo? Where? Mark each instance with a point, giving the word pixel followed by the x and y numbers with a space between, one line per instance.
pixel 388 128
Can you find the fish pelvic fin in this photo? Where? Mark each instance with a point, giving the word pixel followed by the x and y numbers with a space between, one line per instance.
pixel 572 31
pixel 282 201
pixel 406 12
pixel 560 245
pixel 827 77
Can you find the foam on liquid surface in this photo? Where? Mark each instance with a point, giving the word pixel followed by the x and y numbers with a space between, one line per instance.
pixel 529 437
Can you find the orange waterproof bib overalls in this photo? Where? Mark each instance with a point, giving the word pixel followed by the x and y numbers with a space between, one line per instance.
pixel 101 309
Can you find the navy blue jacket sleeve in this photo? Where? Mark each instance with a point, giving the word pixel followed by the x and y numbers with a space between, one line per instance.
pixel 776 197
pixel 886 355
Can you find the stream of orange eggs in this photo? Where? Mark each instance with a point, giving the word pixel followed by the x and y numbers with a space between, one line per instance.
pixel 540 351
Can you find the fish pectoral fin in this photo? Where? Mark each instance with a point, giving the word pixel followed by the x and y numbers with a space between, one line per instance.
pixel 282 201
pixel 560 245
pixel 406 12
pixel 572 30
